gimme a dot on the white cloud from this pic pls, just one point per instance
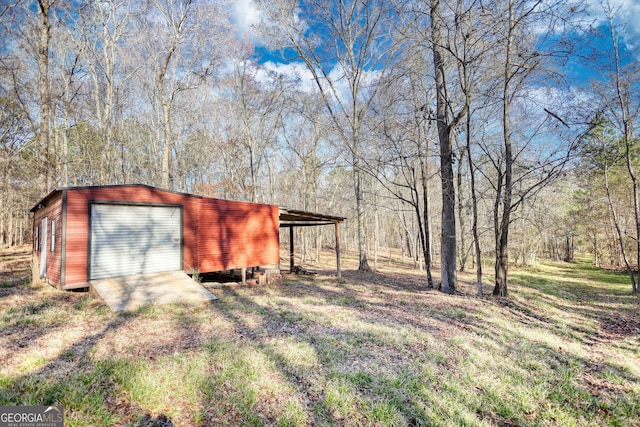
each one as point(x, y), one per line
point(296, 71)
point(267, 73)
point(627, 17)
point(245, 15)
point(255, 23)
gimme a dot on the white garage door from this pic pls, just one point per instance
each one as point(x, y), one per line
point(127, 240)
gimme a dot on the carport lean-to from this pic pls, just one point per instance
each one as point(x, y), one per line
point(98, 232)
point(290, 218)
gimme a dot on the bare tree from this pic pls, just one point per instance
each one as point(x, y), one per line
point(103, 32)
point(347, 51)
point(471, 45)
point(601, 150)
point(524, 57)
point(442, 19)
point(185, 49)
point(15, 134)
point(44, 136)
point(622, 106)
point(306, 131)
point(403, 164)
point(254, 112)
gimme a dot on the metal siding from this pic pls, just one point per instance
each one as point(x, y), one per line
point(63, 241)
point(231, 235)
point(127, 240)
point(237, 234)
point(76, 238)
point(77, 222)
point(53, 211)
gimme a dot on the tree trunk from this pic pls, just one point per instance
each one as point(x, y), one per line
point(43, 159)
point(423, 220)
point(448, 234)
point(596, 257)
point(628, 137)
point(636, 206)
point(502, 258)
point(627, 123)
point(463, 243)
point(426, 246)
point(376, 236)
point(166, 146)
point(362, 244)
point(474, 205)
point(616, 224)
point(502, 244)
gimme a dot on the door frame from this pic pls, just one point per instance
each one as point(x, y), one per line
point(44, 248)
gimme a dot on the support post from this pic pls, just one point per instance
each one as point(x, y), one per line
point(243, 275)
point(291, 250)
point(339, 272)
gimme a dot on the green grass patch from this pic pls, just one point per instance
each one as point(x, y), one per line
point(349, 301)
point(563, 349)
point(449, 313)
point(10, 284)
point(82, 393)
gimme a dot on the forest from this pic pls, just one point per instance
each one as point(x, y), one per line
point(465, 135)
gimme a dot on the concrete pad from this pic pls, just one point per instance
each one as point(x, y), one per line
point(130, 292)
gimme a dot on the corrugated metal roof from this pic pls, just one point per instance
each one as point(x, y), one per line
point(297, 218)
point(88, 187)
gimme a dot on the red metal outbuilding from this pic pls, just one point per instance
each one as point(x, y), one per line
point(85, 233)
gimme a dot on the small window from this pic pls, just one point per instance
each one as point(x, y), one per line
point(53, 235)
point(37, 239)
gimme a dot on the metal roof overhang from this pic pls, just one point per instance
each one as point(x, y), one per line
point(290, 218)
point(296, 218)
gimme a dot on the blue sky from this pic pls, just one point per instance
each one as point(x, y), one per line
point(245, 14)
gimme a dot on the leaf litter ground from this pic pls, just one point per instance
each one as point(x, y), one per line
point(370, 349)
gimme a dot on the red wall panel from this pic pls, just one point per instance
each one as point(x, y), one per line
point(53, 211)
point(217, 234)
point(78, 221)
point(237, 234)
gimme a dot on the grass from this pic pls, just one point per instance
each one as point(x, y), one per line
point(371, 349)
